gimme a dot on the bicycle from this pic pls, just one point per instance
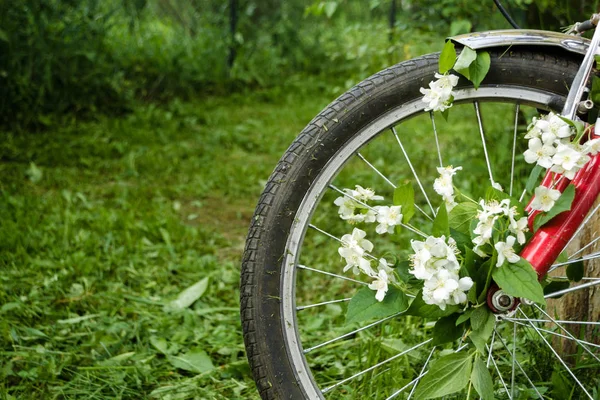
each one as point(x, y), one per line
point(380, 135)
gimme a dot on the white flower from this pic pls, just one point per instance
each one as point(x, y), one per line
point(544, 198)
point(439, 95)
point(540, 153)
point(388, 217)
point(458, 296)
point(444, 83)
point(346, 206)
point(506, 252)
point(443, 186)
point(485, 228)
point(569, 159)
point(438, 289)
point(357, 242)
point(592, 146)
point(497, 186)
point(380, 285)
point(365, 195)
point(356, 262)
point(433, 255)
point(557, 127)
point(385, 266)
point(519, 228)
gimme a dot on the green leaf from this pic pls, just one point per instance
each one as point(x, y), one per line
point(461, 216)
point(195, 361)
point(364, 305)
point(479, 68)
point(481, 336)
point(579, 127)
point(464, 317)
point(446, 112)
point(494, 194)
point(595, 93)
point(440, 223)
point(330, 8)
point(404, 196)
point(556, 286)
point(479, 317)
point(562, 204)
point(446, 330)
point(519, 280)
point(575, 271)
point(447, 57)
point(482, 380)
point(533, 178)
point(420, 309)
point(189, 295)
point(402, 268)
point(448, 374)
point(464, 60)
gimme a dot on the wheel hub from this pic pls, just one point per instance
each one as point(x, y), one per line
point(500, 302)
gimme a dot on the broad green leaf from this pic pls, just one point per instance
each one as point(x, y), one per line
point(464, 317)
point(494, 194)
point(562, 257)
point(579, 127)
point(562, 204)
point(479, 68)
point(446, 112)
point(482, 380)
point(448, 374)
point(446, 330)
point(464, 60)
point(481, 336)
point(463, 241)
point(533, 178)
point(330, 8)
point(472, 294)
point(404, 196)
point(160, 344)
point(461, 216)
point(556, 286)
point(519, 280)
point(189, 295)
point(440, 223)
point(479, 317)
point(575, 271)
point(447, 57)
point(364, 305)
point(420, 309)
point(595, 93)
point(195, 361)
point(402, 268)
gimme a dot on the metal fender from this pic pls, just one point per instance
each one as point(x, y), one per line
point(523, 37)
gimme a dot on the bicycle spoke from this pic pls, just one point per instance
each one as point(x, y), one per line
point(331, 274)
point(490, 350)
point(412, 383)
point(390, 183)
point(546, 321)
point(591, 256)
point(375, 366)
point(559, 335)
point(584, 223)
point(566, 332)
point(323, 303)
point(514, 149)
point(410, 228)
point(584, 247)
point(413, 170)
point(423, 372)
point(499, 375)
point(481, 132)
point(345, 335)
point(564, 364)
point(514, 357)
point(437, 143)
point(573, 289)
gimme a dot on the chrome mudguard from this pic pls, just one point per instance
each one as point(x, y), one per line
point(523, 37)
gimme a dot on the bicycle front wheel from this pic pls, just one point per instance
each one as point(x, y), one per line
point(294, 292)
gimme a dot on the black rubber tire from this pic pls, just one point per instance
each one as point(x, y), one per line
point(260, 279)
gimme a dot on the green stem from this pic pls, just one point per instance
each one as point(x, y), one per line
point(465, 196)
point(488, 280)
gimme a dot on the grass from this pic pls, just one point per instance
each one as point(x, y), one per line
point(105, 223)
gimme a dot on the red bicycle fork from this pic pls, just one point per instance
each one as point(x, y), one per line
point(550, 240)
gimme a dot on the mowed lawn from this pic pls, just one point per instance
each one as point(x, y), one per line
point(103, 227)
